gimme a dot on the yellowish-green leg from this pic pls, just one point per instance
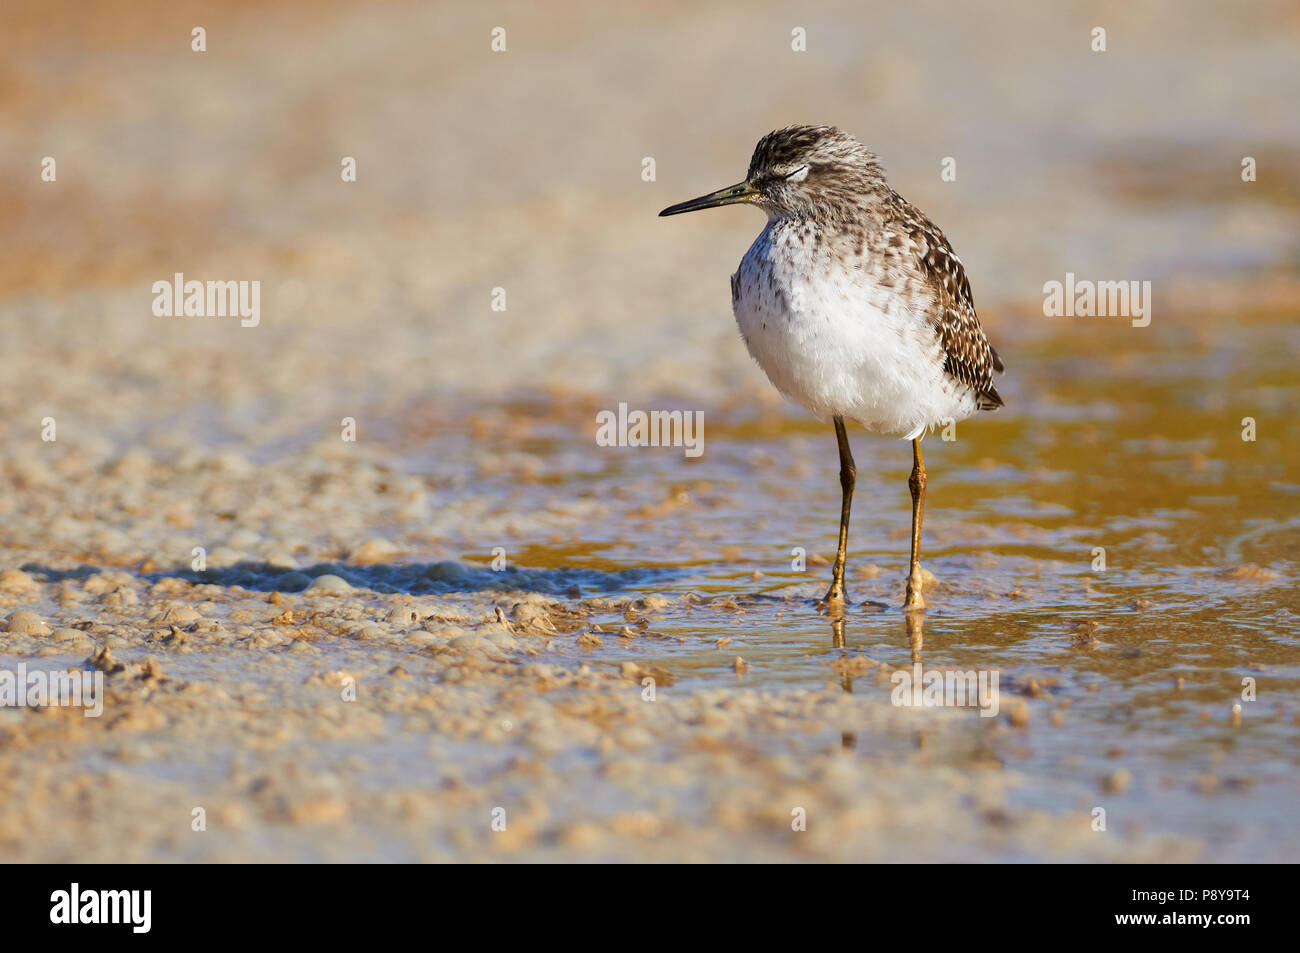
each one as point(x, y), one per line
point(848, 476)
point(917, 484)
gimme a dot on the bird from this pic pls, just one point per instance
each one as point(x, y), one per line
point(856, 307)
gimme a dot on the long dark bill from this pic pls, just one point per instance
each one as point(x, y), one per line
point(731, 195)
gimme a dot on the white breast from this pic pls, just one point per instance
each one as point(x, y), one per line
point(830, 340)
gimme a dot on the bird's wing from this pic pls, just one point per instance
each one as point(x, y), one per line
point(969, 358)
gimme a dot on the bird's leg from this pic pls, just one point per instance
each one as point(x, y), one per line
point(848, 474)
point(917, 484)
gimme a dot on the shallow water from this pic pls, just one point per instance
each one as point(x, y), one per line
point(1144, 659)
point(1128, 672)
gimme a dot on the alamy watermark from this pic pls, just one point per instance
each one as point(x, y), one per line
point(945, 688)
point(653, 428)
point(211, 299)
point(133, 908)
point(68, 688)
point(1082, 298)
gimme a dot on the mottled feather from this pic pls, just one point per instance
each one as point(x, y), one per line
point(969, 358)
point(844, 194)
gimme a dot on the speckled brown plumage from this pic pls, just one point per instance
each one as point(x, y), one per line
point(907, 254)
point(969, 358)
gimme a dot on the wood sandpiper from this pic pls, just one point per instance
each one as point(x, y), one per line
point(855, 306)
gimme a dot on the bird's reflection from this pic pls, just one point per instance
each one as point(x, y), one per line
point(848, 739)
point(914, 626)
point(915, 635)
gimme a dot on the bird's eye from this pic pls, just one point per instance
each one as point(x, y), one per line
point(798, 175)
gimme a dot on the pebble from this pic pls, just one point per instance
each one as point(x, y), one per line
point(15, 580)
point(176, 615)
point(243, 539)
point(329, 584)
point(1117, 781)
point(446, 572)
point(121, 596)
point(26, 623)
point(372, 551)
point(1018, 715)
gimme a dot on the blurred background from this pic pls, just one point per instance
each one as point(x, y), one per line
point(522, 170)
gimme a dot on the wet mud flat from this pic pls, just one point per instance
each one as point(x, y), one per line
point(572, 652)
point(470, 711)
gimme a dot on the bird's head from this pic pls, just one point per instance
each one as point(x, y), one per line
point(800, 172)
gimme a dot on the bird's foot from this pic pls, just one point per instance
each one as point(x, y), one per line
point(835, 599)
